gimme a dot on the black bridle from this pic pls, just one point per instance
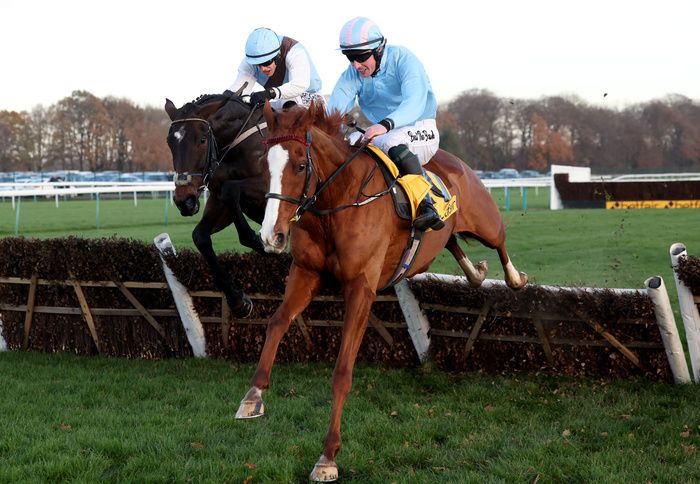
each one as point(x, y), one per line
point(305, 202)
point(213, 159)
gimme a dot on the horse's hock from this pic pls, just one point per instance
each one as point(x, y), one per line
point(110, 296)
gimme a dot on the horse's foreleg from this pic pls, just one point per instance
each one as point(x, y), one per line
point(240, 303)
point(358, 301)
point(475, 274)
point(231, 195)
point(302, 286)
point(514, 278)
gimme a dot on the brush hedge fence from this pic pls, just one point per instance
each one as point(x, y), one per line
point(109, 296)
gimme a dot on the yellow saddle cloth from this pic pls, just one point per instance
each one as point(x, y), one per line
point(417, 187)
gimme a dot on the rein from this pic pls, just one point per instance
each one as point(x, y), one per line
point(305, 203)
point(213, 159)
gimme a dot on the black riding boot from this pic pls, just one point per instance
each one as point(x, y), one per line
point(408, 163)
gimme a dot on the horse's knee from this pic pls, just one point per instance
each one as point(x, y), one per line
point(277, 327)
point(201, 238)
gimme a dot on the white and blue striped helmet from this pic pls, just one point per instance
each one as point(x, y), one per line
point(262, 45)
point(360, 33)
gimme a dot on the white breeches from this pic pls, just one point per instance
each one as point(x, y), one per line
point(422, 138)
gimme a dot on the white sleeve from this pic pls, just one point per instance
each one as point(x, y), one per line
point(246, 73)
point(299, 74)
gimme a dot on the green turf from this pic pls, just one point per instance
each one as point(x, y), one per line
point(76, 419)
point(73, 419)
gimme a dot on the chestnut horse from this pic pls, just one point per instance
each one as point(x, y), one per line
point(360, 245)
point(215, 143)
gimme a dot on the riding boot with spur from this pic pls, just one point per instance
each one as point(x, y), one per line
point(407, 163)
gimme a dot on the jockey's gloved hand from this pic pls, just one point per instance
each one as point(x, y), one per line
point(258, 98)
point(228, 93)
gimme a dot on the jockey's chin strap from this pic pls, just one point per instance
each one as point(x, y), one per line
point(213, 159)
point(305, 203)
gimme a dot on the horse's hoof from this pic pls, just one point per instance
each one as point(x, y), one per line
point(252, 405)
point(324, 471)
point(244, 308)
point(523, 279)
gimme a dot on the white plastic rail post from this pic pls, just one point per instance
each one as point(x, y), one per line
point(656, 289)
point(3, 344)
point(418, 325)
point(183, 300)
point(689, 311)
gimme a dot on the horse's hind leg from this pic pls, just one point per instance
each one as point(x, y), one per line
point(475, 274)
point(302, 286)
point(514, 278)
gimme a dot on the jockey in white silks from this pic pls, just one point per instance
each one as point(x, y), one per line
point(393, 91)
point(282, 66)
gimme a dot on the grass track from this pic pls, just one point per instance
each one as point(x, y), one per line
point(67, 418)
point(117, 420)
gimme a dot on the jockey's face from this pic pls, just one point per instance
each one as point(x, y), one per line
point(269, 69)
point(365, 68)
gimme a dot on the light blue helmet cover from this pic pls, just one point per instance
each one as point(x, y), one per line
point(262, 45)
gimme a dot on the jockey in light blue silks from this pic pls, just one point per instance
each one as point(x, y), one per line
point(394, 92)
point(282, 66)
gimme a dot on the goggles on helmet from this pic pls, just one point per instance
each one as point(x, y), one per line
point(355, 56)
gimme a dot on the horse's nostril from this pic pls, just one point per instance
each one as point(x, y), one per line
point(279, 240)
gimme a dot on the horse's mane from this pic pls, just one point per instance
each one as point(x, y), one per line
point(205, 98)
point(190, 107)
point(329, 123)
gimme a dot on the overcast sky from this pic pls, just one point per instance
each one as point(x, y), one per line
point(147, 50)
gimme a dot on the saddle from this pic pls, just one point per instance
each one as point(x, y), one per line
point(407, 192)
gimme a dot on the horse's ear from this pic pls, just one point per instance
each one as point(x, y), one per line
point(269, 116)
point(170, 109)
point(315, 111)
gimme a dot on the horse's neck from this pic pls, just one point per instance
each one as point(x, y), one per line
point(348, 184)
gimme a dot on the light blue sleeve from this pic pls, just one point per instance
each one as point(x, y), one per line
point(415, 87)
point(344, 93)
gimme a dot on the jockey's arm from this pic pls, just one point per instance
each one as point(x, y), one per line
point(414, 89)
point(246, 73)
point(299, 74)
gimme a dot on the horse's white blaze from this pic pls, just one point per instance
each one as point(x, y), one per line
point(277, 158)
point(179, 134)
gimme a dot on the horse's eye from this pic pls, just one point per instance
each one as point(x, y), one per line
point(203, 140)
point(301, 167)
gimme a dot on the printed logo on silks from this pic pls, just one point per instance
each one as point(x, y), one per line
point(421, 135)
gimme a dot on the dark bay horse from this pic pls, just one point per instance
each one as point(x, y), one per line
point(215, 143)
point(360, 246)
